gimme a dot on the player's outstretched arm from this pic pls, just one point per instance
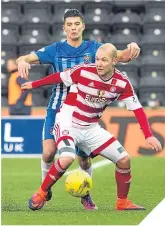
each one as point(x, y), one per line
point(23, 64)
point(152, 141)
point(49, 80)
point(68, 77)
point(126, 55)
point(129, 97)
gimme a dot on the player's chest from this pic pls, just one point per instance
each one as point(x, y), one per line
point(70, 61)
point(99, 88)
point(99, 93)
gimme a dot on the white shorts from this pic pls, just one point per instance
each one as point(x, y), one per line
point(93, 141)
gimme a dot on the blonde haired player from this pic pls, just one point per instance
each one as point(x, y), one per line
point(98, 85)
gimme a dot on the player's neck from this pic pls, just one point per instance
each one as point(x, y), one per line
point(108, 76)
point(75, 43)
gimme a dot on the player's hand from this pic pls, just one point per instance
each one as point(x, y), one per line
point(23, 69)
point(154, 143)
point(134, 50)
point(26, 85)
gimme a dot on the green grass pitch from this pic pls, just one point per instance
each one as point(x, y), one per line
point(21, 178)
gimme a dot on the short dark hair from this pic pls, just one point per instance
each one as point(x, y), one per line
point(73, 13)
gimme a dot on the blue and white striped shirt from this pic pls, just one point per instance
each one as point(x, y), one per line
point(63, 56)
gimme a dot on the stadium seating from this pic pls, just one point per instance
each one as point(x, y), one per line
point(13, 29)
point(121, 38)
point(37, 13)
point(58, 33)
point(11, 13)
point(153, 38)
point(97, 13)
point(38, 72)
point(152, 99)
point(29, 25)
point(98, 34)
point(9, 36)
point(155, 18)
point(134, 6)
point(26, 49)
point(128, 20)
point(7, 52)
point(153, 58)
point(34, 37)
point(150, 5)
point(152, 81)
point(38, 97)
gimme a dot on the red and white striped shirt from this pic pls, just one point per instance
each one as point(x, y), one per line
point(94, 94)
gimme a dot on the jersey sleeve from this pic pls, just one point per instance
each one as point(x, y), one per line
point(129, 97)
point(71, 76)
point(47, 54)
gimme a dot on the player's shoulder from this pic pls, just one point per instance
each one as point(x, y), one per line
point(83, 66)
point(57, 44)
point(77, 67)
point(48, 47)
point(90, 42)
point(89, 67)
point(121, 79)
point(120, 75)
point(93, 43)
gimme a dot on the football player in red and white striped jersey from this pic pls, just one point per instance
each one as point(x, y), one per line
point(96, 86)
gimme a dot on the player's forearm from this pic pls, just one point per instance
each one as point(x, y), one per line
point(30, 58)
point(143, 122)
point(49, 80)
point(123, 56)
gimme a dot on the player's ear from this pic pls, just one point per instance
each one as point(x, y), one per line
point(64, 29)
point(115, 61)
point(83, 26)
point(63, 26)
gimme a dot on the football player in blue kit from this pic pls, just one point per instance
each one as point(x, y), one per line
point(64, 55)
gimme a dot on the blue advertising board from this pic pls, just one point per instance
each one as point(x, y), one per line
point(21, 135)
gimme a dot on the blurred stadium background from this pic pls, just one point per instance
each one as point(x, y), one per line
point(30, 25)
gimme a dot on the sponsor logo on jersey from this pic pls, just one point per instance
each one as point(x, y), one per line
point(95, 99)
point(101, 93)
